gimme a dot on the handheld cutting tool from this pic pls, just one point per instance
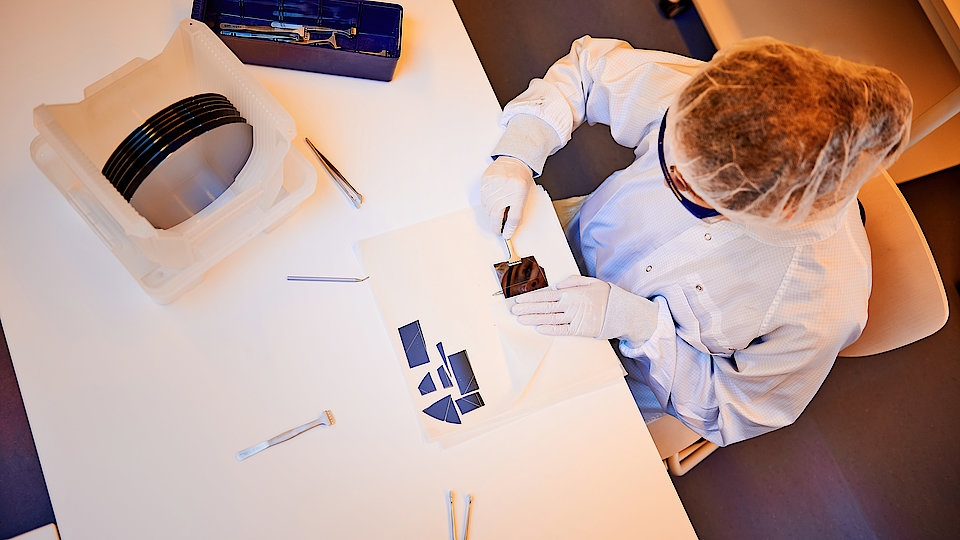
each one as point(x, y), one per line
point(518, 275)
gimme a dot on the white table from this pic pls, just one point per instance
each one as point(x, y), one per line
point(137, 409)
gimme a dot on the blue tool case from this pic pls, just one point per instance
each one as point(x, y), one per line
point(365, 44)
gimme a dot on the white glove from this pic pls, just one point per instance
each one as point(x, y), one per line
point(583, 306)
point(504, 184)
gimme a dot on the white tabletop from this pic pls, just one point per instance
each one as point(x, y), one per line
point(137, 409)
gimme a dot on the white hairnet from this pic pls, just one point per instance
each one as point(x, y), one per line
point(776, 135)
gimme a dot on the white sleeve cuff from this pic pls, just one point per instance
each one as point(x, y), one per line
point(662, 330)
point(528, 139)
point(658, 352)
point(628, 316)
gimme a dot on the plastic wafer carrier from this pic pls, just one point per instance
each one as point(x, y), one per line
point(76, 139)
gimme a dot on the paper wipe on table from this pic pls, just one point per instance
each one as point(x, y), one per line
point(434, 281)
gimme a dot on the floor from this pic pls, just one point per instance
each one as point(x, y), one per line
point(874, 454)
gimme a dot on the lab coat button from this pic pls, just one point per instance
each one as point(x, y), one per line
point(707, 236)
point(699, 288)
point(649, 268)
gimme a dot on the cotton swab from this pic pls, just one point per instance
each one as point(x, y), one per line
point(453, 520)
point(466, 522)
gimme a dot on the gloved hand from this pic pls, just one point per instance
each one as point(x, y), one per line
point(505, 183)
point(583, 306)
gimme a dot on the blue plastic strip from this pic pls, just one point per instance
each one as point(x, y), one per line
point(469, 403)
point(463, 373)
point(427, 385)
point(444, 410)
point(413, 346)
point(444, 378)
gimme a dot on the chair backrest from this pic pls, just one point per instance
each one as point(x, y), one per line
point(907, 302)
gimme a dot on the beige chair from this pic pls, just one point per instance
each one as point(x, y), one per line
point(907, 303)
point(680, 447)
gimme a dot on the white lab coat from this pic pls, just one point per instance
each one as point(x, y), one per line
point(749, 323)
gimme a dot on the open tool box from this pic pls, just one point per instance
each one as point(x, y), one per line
point(365, 44)
point(75, 140)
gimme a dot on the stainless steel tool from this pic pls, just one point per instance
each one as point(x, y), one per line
point(355, 197)
point(518, 275)
point(332, 41)
point(327, 278)
point(299, 34)
point(514, 258)
point(326, 419)
point(349, 32)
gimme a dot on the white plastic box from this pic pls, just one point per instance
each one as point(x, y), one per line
point(77, 138)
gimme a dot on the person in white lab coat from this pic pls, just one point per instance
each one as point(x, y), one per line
point(729, 258)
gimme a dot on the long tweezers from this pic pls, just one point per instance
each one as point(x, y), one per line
point(355, 197)
point(326, 419)
point(326, 278)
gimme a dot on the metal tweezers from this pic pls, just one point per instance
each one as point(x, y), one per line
point(328, 278)
point(355, 197)
point(326, 419)
point(349, 32)
point(286, 28)
point(300, 35)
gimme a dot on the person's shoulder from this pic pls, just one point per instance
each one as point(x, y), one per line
point(834, 272)
point(665, 60)
point(622, 49)
point(847, 250)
